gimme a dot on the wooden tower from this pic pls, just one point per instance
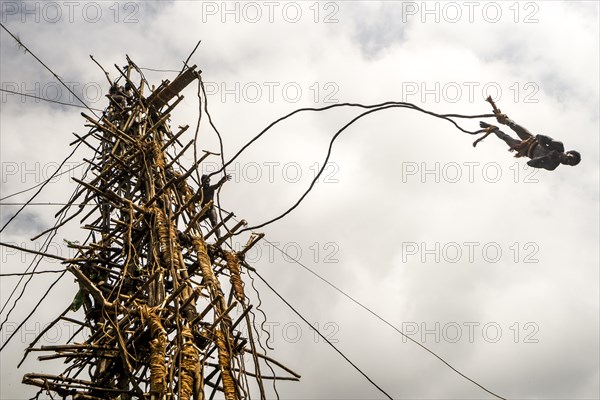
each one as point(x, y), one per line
point(162, 295)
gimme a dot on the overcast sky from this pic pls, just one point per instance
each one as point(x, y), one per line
point(492, 265)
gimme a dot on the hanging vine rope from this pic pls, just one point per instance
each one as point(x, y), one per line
point(371, 109)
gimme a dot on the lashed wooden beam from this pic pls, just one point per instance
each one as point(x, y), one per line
point(164, 94)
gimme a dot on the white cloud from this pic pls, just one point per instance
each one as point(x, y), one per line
point(384, 199)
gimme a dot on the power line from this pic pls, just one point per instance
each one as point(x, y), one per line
point(49, 100)
point(41, 188)
point(54, 271)
point(32, 311)
point(323, 337)
point(20, 43)
point(158, 70)
point(47, 204)
point(76, 147)
point(43, 182)
point(381, 319)
point(39, 253)
point(35, 264)
point(46, 242)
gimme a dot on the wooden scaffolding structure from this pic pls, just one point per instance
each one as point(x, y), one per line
point(163, 297)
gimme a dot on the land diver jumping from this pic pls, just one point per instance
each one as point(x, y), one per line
point(543, 151)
